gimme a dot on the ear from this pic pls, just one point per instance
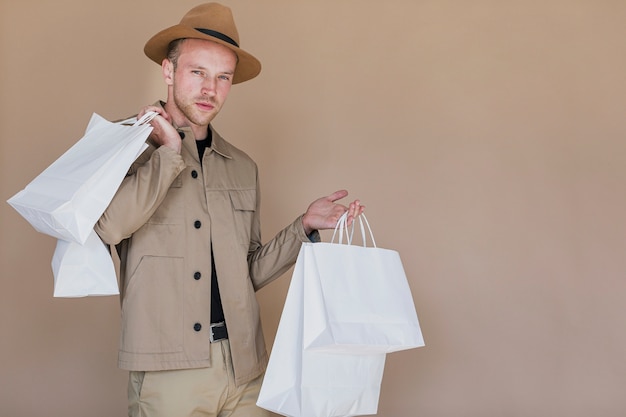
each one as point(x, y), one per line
point(168, 71)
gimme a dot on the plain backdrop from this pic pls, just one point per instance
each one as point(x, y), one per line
point(486, 139)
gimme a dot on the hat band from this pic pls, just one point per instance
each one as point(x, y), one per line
point(218, 35)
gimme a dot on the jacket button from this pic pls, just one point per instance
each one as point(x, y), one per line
point(197, 275)
point(197, 224)
point(194, 174)
point(182, 135)
point(197, 327)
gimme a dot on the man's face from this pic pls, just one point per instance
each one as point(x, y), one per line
point(202, 79)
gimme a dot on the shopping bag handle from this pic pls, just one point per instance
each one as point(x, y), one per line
point(146, 118)
point(141, 121)
point(342, 225)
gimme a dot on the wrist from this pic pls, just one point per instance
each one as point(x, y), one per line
point(306, 226)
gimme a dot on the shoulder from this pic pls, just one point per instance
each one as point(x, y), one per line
point(230, 151)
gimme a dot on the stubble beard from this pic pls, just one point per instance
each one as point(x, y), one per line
point(192, 114)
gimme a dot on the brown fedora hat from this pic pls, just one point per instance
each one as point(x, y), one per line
point(209, 21)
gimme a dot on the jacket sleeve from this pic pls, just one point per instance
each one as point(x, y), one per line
point(269, 261)
point(140, 194)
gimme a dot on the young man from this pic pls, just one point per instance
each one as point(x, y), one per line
point(185, 222)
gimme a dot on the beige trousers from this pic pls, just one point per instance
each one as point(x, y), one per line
point(206, 392)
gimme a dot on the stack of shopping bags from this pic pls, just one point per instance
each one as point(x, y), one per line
point(347, 307)
point(66, 200)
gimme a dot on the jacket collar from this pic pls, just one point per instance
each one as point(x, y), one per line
point(218, 143)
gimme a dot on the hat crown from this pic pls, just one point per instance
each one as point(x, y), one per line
point(210, 21)
point(214, 17)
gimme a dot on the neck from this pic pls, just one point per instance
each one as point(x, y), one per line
point(180, 120)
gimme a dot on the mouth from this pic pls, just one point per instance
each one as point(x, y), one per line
point(205, 106)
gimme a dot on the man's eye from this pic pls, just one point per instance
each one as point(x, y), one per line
point(198, 73)
point(225, 77)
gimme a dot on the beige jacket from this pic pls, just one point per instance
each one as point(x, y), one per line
point(162, 220)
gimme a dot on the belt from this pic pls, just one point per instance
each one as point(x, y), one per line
point(218, 332)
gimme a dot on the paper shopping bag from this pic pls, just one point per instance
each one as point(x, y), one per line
point(358, 299)
point(83, 270)
point(301, 383)
point(69, 196)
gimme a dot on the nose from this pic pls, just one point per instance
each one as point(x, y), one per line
point(208, 87)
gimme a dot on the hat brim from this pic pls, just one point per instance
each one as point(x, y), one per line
point(156, 48)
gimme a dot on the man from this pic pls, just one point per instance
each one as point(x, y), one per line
point(185, 222)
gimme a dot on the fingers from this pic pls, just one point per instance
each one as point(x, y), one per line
point(337, 195)
point(161, 124)
point(324, 213)
point(159, 110)
point(354, 210)
point(163, 133)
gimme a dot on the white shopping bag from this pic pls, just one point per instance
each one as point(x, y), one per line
point(301, 383)
point(69, 196)
point(357, 297)
point(83, 270)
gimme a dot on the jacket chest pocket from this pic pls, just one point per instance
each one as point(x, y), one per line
point(243, 205)
point(243, 200)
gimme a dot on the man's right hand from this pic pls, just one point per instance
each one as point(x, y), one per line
point(163, 132)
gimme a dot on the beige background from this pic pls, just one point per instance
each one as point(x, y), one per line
point(486, 138)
